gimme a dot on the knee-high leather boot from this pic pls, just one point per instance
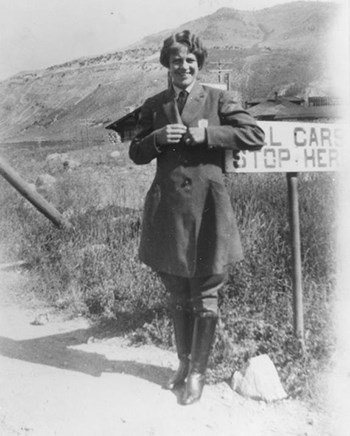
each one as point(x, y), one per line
point(203, 337)
point(183, 329)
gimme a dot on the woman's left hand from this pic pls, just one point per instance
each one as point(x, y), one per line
point(195, 136)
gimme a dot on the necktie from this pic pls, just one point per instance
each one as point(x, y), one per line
point(181, 100)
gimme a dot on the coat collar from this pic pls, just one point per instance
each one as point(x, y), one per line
point(193, 106)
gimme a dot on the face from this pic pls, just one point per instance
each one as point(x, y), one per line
point(183, 67)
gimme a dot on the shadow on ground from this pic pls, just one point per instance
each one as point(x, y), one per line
point(55, 350)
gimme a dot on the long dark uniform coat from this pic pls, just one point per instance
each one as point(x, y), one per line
point(189, 228)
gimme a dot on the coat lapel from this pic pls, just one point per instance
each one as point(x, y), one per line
point(194, 104)
point(170, 108)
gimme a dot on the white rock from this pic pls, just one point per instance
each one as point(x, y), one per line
point(45, 180)
point(32, 186)
point(59, 161)
point(41, 319)
point(259, 380)
point(115, 154)
point(70, 164)
point(57, 156)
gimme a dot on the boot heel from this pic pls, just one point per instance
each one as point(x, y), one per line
point(180, 375)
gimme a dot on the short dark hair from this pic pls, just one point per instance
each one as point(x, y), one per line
point(188, 39)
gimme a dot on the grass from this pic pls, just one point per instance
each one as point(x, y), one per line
point(94, 269)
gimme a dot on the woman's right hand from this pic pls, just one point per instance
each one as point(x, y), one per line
point(170, 134)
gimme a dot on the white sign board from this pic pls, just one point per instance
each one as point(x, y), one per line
point(292, 147)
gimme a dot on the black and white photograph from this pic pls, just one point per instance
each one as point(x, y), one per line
point(174, 218)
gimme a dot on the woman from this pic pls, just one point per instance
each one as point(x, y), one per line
point(189, 232)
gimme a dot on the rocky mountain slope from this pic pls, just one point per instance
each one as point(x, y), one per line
point(281, 49)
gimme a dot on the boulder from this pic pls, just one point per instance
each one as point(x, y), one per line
point(259, 380)
point(32, 186)
point(56, 156)
point(45, 180)
point(115, 154)
point(60, 161)
point(54, 161)
point(70, 164)
point(46, 186)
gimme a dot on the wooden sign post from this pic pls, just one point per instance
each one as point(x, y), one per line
point(293, 199)
point(293, 147)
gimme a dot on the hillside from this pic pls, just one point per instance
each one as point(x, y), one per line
point(282, 49)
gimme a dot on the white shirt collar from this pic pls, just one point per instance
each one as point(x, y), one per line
point(188, 89)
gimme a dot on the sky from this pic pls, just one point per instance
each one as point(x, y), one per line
point(36, 34)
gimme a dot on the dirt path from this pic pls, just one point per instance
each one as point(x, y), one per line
point(64, 378)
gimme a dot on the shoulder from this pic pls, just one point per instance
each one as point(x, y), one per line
point(211, 89)
point(217, 93)
point(223, 97)
point(214, 91)
point(150, 105)
point(157, 98)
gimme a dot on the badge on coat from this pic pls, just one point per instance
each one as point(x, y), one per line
point(203, 123)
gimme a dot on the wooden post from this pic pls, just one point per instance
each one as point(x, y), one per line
point(292, 180)
point(32, 196)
